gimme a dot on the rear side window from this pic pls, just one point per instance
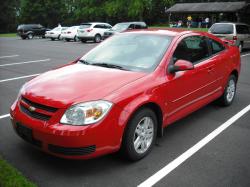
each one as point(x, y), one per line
point(98, 26)
point(242, 29)
point(192, 48)
point(222, 29)
point(84, 26)
point(137, 26)
point(216, 47)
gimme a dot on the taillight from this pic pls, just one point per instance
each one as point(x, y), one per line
point(89, 30)
point(235, 38)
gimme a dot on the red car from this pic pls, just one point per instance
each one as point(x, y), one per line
point(121, 94)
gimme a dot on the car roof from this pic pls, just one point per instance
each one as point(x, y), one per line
point(132, 22)
point(93, 23)
point(236, 23)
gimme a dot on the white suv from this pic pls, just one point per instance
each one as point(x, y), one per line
point(92, 31)
point(239, 33)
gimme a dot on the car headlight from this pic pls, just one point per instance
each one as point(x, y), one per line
point(86, 113)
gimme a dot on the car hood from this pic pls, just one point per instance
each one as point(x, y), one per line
point(76, 83)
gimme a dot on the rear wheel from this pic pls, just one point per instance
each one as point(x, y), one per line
point(83, 41)
point(229, 93)
point(140, 135)
point(240, 46)
point(23, 37)
point(67, 39)
point(52, 39)
point(98, 38)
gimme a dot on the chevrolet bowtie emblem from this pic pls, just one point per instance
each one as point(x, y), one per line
point(31, 108)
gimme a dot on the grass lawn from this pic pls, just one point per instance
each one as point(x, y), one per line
point(8, 35)
point(10, 177)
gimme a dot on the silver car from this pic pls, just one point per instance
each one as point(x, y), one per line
point(239, 33)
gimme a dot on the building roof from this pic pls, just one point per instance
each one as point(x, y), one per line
point(207, 7)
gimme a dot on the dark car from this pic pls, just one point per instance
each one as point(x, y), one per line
point(120, 27)
point(31, 30)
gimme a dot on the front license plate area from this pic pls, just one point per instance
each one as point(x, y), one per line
point(24, 132)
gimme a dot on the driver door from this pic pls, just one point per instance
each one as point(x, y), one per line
point(187, 90)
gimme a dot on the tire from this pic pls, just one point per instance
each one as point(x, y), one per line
point(140, 134)
point(98, 38)
point(229, 93)
point(52, 39)
point(23, 37)
point(30, 36)
point(67, 40)
point(76, 39)
point(83, 41)
point(240, 46)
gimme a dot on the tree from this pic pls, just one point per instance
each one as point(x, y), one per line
point(8, 13)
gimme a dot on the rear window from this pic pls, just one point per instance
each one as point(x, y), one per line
point(222, 29)
point(85, 26)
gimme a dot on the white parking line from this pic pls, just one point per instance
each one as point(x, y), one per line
point(15, 78)
point(245, 55)
point(4, 116)
point(27, 62)
point(183, 157)
point(9, 56)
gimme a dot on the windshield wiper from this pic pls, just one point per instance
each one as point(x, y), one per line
point(84, 62)
point(109, 66)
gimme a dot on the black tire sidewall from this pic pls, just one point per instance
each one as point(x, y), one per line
point(96, 36)
point(128, 140)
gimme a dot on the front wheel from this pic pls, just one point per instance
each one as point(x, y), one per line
point(30, 36)
point(140, 135)
point(229, 93)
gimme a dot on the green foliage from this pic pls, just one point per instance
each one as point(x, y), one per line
point(71, 12)
point(10, 177)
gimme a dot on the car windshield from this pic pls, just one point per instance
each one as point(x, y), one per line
point(222, 29)
point(129, 51)
point(84, 26)
point(120, 27)
point(57, 29)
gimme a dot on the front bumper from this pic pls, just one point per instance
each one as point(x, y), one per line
point(73, 142)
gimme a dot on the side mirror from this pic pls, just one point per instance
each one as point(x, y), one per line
point(180, 65)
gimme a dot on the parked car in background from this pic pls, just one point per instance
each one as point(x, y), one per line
point(31, 30)
point(55, 33)
point(239, 33)
point(120, 27)
point(92, 31)
point(70, 34)
point(121, 94)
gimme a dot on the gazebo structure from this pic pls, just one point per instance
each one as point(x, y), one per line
point(216, 11)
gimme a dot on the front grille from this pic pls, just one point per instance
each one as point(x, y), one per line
point(69, 151)
point(34, 114)
point(26, 134)
point(37, 105)
point(44, 116)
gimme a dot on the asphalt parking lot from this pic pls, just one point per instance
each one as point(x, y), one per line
point(224, 161)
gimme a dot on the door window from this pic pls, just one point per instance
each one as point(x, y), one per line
point(193, 49)
point(242, 29)
point(216, 47)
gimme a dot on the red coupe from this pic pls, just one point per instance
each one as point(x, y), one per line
point(121, 94)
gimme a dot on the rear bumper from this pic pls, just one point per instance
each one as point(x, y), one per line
point(86, 37)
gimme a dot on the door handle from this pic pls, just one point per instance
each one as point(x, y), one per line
point(210, 69)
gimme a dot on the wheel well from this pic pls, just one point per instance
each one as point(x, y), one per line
point(235, 73)
point(157, 110)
